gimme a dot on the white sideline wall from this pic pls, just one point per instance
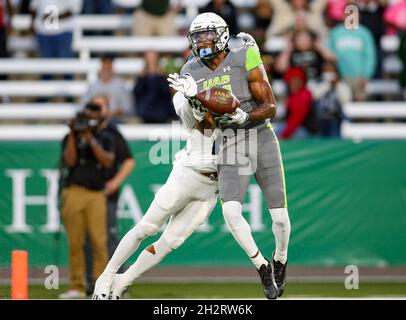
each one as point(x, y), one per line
point(153, 132)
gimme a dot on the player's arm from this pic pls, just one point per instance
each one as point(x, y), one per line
point(262, 92)
point(183, 110)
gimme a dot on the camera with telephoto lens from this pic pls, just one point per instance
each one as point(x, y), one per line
point(82, 122)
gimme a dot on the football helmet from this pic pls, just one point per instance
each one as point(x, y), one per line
point(208, 28)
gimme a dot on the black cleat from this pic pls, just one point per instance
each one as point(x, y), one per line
point(280, 275)
point(268, 281)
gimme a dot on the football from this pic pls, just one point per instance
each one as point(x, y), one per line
point(218, 100)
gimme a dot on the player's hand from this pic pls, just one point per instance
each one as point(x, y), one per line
point(248, 40)
point(183, 83)
point(198, 110)
point(238, 116)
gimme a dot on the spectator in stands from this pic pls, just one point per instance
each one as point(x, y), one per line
point(226, 10)
point(88, 153)
point(335, 11)
point(53, 23)
point(298, 104)
point(304, 51)
point(263, 14)
point(330, 95)
point(153, 101)
point(394, 15)
point(97, 7)
point(113, 87)
point(287, 12)
point(402, 57)
point(92, 7)
point(155, 18)
point(356, 56)
point(371, 16)
point(5, 26)
point(123, 165)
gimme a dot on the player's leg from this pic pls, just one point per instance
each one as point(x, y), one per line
point(180, 227)
point(241, 230)
point(169, 199)
point(270, 178)
point(232, 190)
point(234, 179)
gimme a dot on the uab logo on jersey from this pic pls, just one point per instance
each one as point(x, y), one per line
point(220, 81)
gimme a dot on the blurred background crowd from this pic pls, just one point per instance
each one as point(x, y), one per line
point(320, 55)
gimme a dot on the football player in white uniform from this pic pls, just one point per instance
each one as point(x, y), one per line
point(188, 197)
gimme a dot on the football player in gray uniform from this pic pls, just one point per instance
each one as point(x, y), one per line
point(249, 145)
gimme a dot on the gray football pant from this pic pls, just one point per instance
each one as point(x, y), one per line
point(252, 152)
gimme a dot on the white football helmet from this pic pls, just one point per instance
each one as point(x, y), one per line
point(208, 27)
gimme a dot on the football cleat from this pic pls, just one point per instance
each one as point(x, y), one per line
point(268, 281)
point(102, 287)
point(72, 294)
point(280, 275)
point(117, 287)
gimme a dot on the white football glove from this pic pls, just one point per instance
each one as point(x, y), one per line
point(248, 40)
point(238, 116)
point(183, 83)
point(199, 112)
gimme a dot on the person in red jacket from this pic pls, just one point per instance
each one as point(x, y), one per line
point(298, 102)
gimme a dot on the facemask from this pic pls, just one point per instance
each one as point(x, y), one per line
point(329, 76)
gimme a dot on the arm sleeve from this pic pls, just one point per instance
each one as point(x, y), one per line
point(123, 150)
point(108, 142)
point(252, 59)
point(183, 110)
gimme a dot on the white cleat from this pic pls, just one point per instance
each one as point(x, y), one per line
point(72, 294)
point(102, 287)
point(117, 287)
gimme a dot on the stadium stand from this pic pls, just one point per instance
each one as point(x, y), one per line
point(85, 68)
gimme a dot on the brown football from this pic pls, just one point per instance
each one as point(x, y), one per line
point(218, 100)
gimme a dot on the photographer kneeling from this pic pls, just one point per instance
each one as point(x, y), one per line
point(88, 153)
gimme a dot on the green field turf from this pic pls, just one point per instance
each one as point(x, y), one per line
point(234, 290)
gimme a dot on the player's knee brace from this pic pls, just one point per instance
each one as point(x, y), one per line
point(280, 216)
point(173, 242)
point(232, 212)
point(143, 230)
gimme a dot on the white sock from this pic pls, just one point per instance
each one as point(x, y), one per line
point(127, 246)
point(281, 231)
point(258, 260)
point(147, 259)
point(240, 229)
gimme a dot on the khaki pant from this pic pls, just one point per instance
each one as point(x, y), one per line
point(84, 211)
point(358, 87)
point(146, 24)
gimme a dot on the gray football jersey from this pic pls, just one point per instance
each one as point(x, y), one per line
point(231, 74)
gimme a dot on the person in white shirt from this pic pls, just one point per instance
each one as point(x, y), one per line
point(188, 197)
point(113, 87)
point(53, 24)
